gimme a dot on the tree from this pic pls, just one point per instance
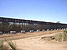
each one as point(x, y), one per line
point(58, 22)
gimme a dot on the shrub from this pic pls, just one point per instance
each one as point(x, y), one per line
point(12, 45)
point(62, 36)
point(65, 36)
point(65, 31)
point(58, 37)
point(2, 46)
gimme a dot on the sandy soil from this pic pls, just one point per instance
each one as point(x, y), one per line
point(36, 43)
point(28, 34)
point(33, 41)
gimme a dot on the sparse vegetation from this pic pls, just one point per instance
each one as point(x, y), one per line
point(10, 43)
point(2, 46)
point(65, 31)
point(58, 37)
point(62, 36)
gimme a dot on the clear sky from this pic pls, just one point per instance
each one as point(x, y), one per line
point(42, 10)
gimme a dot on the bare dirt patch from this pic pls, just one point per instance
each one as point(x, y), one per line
point(28, 34)
point(35, 43)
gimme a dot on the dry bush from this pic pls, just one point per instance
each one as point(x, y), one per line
point(5, 47)
point(2, 46)
point(12, 45)
point(58, 37)
point(61, 36)
point(65, 31)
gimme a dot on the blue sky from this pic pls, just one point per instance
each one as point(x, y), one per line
point(41, 10)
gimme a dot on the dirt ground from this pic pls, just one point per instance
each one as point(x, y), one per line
point(28, 34)
point(36, 43)
point(33, 41)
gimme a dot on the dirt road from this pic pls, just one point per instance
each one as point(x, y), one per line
point(28, 34)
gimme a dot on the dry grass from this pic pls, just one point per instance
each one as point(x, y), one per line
point(2, 46)
point(28, 34)
point(12, 46)
point(58, 37)
point(32, 43)
point(62, 37)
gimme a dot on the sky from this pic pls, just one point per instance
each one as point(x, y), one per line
point(40, 10)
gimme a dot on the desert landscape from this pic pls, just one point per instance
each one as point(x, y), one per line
point(33, 24)
point(35, 41)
